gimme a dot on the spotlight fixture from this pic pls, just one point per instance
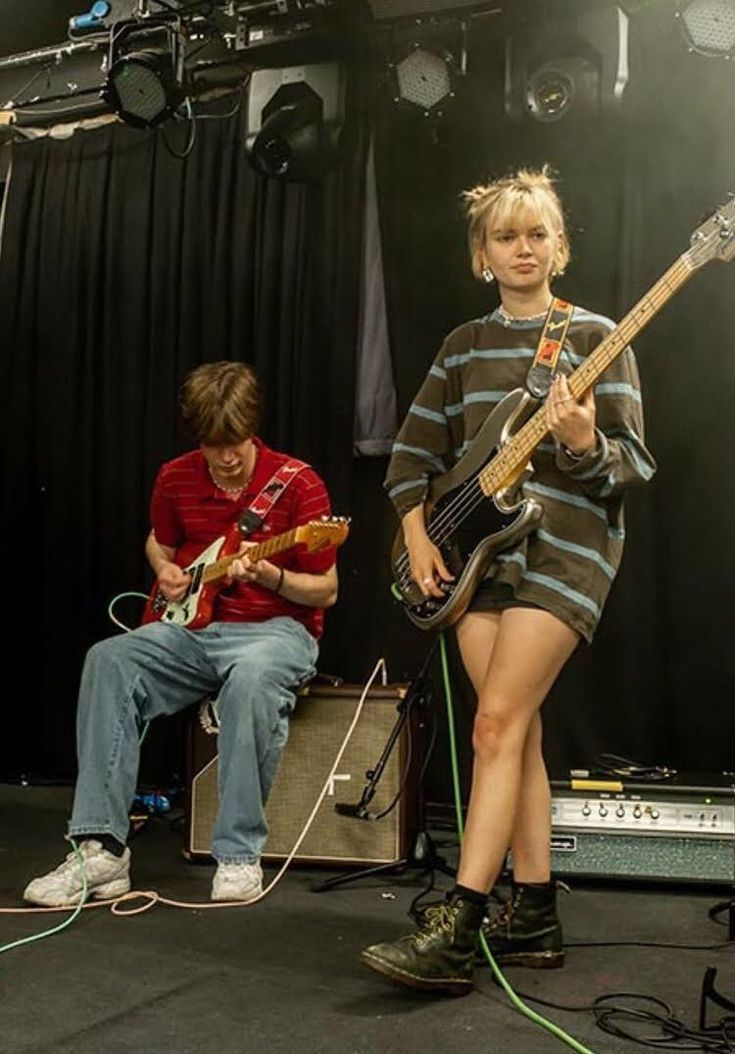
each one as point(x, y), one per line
point(556, 87)
point(708, 26)
point(559, 67)
point(423, 80)
point(144, 86)
point(295, 119)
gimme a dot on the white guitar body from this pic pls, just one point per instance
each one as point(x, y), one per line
point(185, 611)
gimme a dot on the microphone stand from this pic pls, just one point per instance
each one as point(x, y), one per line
point(422, 853)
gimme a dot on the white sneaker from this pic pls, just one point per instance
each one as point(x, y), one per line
point(108, 876)
point(237, 882)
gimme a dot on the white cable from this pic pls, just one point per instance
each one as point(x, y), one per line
point(111, 608)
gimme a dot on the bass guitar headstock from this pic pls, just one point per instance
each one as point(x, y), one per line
point(715, 238)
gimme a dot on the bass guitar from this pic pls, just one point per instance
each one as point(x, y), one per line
point(209, 571)
point(477, 508)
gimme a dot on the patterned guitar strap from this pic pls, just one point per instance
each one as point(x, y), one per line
point(551, 342)
point(252, 518)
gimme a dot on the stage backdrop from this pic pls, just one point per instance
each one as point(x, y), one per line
point(122, 268)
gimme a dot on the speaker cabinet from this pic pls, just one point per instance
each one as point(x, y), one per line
point(317, 728)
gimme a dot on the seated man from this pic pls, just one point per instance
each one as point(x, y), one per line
point(260, 645)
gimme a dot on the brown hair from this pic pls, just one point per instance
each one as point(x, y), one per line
point(529, 193)
point(221, 403)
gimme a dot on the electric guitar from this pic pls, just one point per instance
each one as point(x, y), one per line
point(209, 570)
point(477, 508)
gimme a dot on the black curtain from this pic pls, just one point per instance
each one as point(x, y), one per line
point(123, 267)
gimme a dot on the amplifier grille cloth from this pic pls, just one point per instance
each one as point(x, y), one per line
point(317, 728)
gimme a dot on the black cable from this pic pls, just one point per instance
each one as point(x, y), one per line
point(404, 775)
point(615, 765)
point(191, 140)
point(672, 1033)
point(181, 10)
point(647, 944)
point(413, 908)
point(19, 93)
point(230, 113)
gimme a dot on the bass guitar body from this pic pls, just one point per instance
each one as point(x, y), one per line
point(469, 526)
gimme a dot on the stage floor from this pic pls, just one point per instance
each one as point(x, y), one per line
point(284, 977)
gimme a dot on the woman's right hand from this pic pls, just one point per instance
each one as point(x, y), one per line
point(428, 569)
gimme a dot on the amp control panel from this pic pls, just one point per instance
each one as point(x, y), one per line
point(625, 812)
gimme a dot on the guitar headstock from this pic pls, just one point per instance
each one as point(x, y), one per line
point(319, 534)
point(715, 239)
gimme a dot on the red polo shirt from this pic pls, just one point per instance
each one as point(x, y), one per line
point(188, 512)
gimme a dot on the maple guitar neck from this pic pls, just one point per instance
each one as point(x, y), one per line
point(218, 569)
point(505, 467)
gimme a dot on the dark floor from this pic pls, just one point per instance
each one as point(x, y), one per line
point(284, 977)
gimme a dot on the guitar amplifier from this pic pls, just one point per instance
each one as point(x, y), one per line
point(682, 830)
point(317, 729)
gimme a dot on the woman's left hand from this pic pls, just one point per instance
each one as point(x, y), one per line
point(571, 422)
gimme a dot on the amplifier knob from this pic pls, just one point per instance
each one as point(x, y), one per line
point(637, 812)
point(603, 810)
point(620, 811)
point(655, 814)
point(586, 809)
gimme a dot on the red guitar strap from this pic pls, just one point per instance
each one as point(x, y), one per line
point(253, 517)
point(549, 347)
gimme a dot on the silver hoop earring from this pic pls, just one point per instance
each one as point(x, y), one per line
point(487, 275)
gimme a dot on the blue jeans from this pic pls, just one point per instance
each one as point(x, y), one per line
point(253, 667)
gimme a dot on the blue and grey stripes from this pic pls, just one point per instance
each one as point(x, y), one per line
point(568, 564)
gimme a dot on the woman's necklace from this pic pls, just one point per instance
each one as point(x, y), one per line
point(521, 318)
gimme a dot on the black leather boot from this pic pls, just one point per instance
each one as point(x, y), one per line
point(437, 957)
point(526, 931)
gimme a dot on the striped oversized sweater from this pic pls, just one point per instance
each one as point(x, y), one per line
point(567, 564)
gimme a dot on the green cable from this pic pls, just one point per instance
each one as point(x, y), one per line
point(66, 922)
point(500, 978)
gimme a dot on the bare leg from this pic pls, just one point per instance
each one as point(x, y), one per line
point(531, 839)
point(530, 842)
point(513, 659)
point(529, 650)
point(476, 633)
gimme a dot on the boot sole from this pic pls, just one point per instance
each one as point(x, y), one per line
point(531, 960)
point(453, 987)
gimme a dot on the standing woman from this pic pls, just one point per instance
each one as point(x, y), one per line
point(540, 597)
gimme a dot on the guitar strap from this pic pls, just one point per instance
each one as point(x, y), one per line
point(252, 518)
point(549, 347)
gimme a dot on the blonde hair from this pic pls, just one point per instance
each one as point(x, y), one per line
point(528, 193)
point(221, 403)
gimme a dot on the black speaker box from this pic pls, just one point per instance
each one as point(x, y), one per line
point(317, 728)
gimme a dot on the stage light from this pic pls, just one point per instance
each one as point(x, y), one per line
point(423, 79)
point(556, 87)
point(709, 26)
point(557, 67)
point(295, 119)
point(142, 87)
